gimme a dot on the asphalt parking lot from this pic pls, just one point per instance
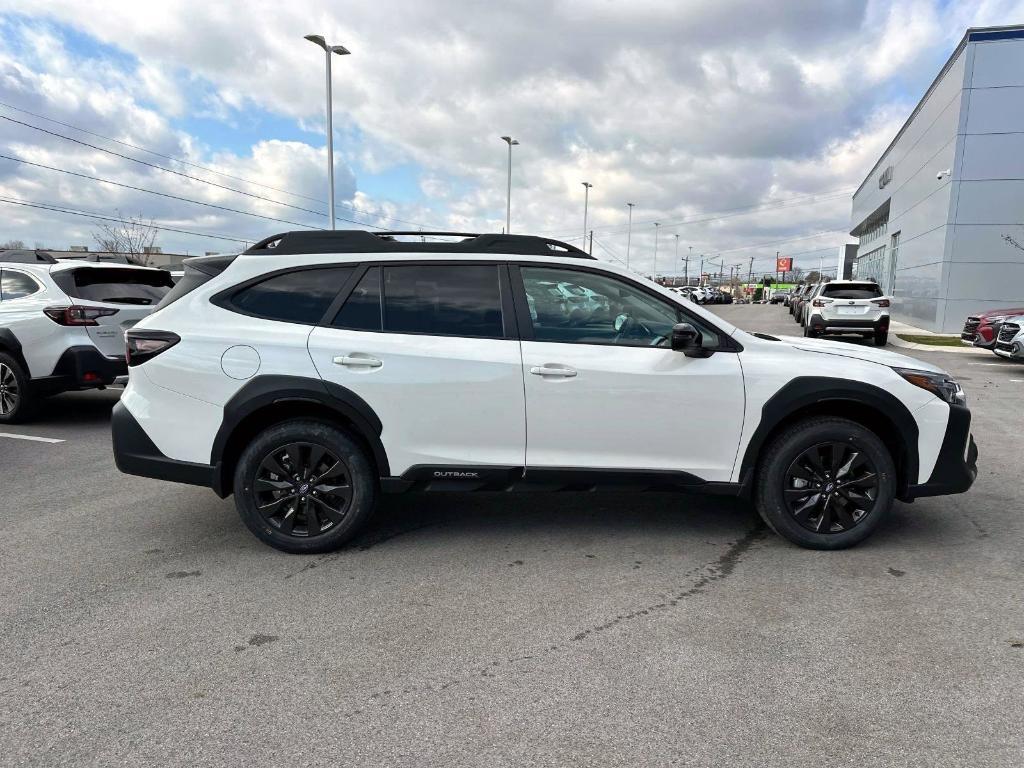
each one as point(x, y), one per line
point(141, 623)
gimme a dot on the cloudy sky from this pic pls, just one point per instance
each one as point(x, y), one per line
point(743, 127)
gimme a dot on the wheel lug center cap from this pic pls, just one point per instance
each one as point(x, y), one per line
point(304, 489)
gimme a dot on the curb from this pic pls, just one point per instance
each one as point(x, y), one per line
point(896, 341)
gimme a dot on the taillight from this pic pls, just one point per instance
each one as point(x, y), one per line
point(821, 302)
point(75, 315)
point(880, 302)
point(142, 345)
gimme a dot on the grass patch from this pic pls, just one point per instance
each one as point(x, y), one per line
point(931, 341)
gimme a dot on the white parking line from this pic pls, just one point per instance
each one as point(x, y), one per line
point(996, 364)
point(30, 437)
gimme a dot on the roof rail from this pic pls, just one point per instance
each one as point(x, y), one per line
point(23, 256)
point(361, 241)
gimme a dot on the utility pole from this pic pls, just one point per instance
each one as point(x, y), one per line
point(750, 276)
point(700, 277)
point(655, 276)
point(686, 268)
point(508, 197)
point(586, 200)
point(677, 253)
point(629, 231)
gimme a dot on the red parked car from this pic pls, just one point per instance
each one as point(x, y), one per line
point(982, 329)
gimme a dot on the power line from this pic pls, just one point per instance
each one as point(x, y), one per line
point(101, 217)
point(154, 192)
point(351, 207)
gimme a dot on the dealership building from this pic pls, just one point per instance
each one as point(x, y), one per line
point(940, 217)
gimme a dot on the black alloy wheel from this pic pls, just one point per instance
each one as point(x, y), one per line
point(10, 392)
point(831, 487)
point(302, 489)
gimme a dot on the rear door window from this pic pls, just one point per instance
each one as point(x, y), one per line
point(852, 291)
point(361, 310)
point(443, 300)
point(143, 287)
point(302, 296)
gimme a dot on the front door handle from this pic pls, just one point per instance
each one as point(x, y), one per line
point(351, 361)
point(556, 371)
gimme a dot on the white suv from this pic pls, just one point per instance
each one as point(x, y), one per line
point(62, 324)
point(319, 369)
point(848, 306)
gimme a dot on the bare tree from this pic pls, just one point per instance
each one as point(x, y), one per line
point(131, 236)
point(12, 245)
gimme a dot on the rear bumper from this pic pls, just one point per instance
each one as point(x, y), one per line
point(819, 323)
point(957, 466)
point(135, 454)
point(81, 367)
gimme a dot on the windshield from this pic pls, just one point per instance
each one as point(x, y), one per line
point(144, 287)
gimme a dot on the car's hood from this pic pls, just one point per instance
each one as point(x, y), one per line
point(857, 352)
point(997, 312)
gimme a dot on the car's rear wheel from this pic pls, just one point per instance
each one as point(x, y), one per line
point(809, 332)
point(881, 338)
point(825, 483)
point(17, 401)
point(304, 486)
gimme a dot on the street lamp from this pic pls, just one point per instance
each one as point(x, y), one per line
point(629, 232)
point(656, 225)
point(508, 199)
point(341, 51)
point(677, 250)
point(586, 200)
point(687, 267)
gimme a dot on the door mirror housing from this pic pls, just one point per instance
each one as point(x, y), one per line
point(688, 340)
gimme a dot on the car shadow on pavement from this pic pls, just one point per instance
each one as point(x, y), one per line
point(78, 408)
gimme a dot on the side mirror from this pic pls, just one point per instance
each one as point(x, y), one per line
point(688, 340)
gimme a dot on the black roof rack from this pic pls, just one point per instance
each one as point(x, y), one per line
point(22, 256)
point(361, 241)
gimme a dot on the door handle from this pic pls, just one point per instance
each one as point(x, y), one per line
point(557, 371)
point(350, 361)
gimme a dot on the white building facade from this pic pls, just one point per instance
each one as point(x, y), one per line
point(940, 217)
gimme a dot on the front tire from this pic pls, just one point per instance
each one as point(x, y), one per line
point(17, 401)
point(825, 483)
point(304, 487)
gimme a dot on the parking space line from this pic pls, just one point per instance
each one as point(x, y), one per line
point(30, 437)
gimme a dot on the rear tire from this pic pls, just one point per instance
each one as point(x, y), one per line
point(17, 400)
point(809, 332)
point(304, 487)
point(881, 338)
point(791, 489)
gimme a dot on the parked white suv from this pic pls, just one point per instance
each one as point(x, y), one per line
point(62, 324)
point(1010, 339)
point(848, 306)
point(319, 369)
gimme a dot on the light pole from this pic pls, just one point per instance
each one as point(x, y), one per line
point(686, 273)
point(629, 232)
point(586, 200)
point(655, 276)
point(341, 51)
point(508, 198)
point(677, 251)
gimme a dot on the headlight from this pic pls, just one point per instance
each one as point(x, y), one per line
point(939, 384)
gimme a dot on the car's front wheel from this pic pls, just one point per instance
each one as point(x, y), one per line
point(304, 486)
point(17, 401)
point(825, 483)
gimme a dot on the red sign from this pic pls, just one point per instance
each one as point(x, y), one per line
point(784, 264)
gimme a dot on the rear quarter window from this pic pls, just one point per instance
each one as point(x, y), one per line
point(301, 296)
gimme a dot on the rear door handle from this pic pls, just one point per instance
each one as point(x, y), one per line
point(351, 361)
point(556, 371)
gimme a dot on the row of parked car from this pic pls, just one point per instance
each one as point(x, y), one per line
point(1001, 330)
point(700, 294)
point(839, 307)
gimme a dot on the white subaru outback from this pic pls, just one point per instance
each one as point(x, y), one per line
point(62, 324)
point(319, 369)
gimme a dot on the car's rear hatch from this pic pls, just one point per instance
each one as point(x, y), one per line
point(131, 292)
point(851, 300)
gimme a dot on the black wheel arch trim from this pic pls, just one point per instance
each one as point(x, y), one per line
point(9, 343)
point(263, 391)
point(808, 391)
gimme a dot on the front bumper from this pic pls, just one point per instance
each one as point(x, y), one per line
point(957, 465)
point(1011, 350)
point(135, 454)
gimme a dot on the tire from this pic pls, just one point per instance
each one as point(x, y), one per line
point(850, 520)
point(881, 338)
point(17, 401)
point(809, 332)
point(286, 516)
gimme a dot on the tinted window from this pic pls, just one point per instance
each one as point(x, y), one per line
point(443, 300)
point(293, 297)
point(598, 309)
point(14, 285)
point(852, 291)
point(115, 286)
point(361, 311)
